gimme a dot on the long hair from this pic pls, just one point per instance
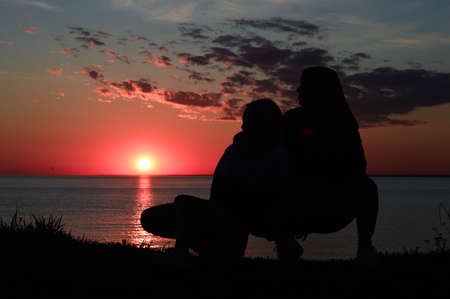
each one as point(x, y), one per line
point(321, 95)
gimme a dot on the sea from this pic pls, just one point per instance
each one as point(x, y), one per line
point(108, 208)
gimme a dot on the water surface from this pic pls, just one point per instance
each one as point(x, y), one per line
point(107, 209)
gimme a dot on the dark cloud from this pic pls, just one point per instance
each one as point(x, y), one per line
point(90, 41)
point(248, 64)
point(114, 54)
point(239, 79)
point(232, 109)
point(301, 43)
point(234, 41)
point(190, 98)
point(94, 74)
point(197, 76)
point(415, 65)
point(79, 30)
point(193, 59)
point(160, 61)
point(266, 86)
point(88, 37)
point(194, 31)
point(282, 25)
point(352, 62)
point(73, 51)
point(132, 88)
point(377, 95)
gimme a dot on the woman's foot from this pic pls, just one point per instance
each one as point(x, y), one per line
point(288, 249)
point(178, 257)
point(367, 255)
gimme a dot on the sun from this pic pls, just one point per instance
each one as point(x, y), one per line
point(144, 164)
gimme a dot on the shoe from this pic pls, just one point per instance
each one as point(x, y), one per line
point(367, 256)
point(177, 257)
point(288, 249)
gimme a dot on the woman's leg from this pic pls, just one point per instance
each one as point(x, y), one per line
point(329, 207)
point(367, 213)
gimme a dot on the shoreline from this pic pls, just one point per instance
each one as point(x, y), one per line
point(44, 260)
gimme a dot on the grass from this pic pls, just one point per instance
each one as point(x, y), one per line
point(41, 259)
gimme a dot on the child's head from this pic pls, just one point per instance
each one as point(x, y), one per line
point(261, 116)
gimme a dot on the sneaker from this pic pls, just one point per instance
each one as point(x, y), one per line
point(288, 249)
point(367, 256)
point(176, 257)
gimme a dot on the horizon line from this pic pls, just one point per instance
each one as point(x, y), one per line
point(206, 174)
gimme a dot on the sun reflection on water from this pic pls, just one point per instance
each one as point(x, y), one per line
point(145, 199)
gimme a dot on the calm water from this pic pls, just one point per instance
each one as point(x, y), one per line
point(108, 209)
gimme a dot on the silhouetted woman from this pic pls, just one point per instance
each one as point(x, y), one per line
point(329, 185)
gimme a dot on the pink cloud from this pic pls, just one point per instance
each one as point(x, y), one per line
point(114, 54)
point(100, 100)
point(65, 51)
point(192, 104)
point(56, 71)
point(6, 43)
point(106, 93)
point(31, 30)
point(60, 96)
point(160, 61)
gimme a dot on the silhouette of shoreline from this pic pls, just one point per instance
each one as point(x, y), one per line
point(47, 261)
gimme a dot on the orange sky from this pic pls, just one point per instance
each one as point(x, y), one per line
point(167, 82)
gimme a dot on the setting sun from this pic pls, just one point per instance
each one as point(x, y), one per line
point(144, 164)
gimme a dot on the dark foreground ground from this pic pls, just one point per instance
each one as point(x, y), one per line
point(41, 262)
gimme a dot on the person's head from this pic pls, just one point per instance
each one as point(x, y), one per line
point(320, 87)
point(261, 116)
point(320, 92)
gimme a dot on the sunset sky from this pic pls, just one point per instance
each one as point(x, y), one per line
point(93, 87)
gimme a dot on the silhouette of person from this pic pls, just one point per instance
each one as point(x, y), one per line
point(249, 179)
point(327, 167)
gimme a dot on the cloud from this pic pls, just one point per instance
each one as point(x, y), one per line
point(194, 31)
point(194, 99)
point(122, 58)
point(60, 96)
point(90, 41)
point(377, 95)
point(65, 51)
point(160, 61)
point(352, 62)
point(37, 4)
point(193, 75)
point(106, 92)
point(299, 27)
point(192, 59)
point(142, 89)
point(234, 40)
point(55, 71)
point(173, 11)
point(31, 30)
point(3, 42)
point(245, 60)
point(88, 38)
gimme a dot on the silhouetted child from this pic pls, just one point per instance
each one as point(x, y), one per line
point(249, 180)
